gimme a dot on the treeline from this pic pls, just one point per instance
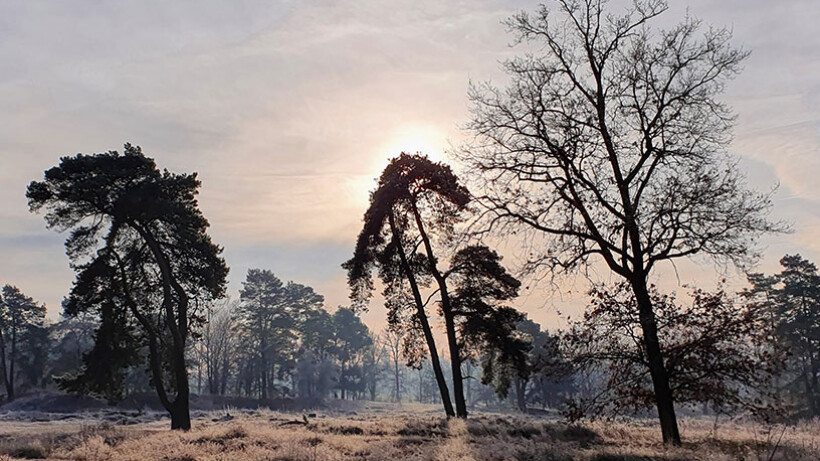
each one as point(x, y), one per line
point(757, 350)
point(277, 341)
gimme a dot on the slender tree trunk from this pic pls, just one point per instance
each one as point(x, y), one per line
point(425, 325)
point(449, 321)
point(342, 381)
point(468, 386)
point(455, 365)
point(657, 369)
point(398, 388)
point(421, 382)
point(12, 359)
point(6, 381)
point(520, 394)
point(814, 388)
point(809, 393)
point(264, 369)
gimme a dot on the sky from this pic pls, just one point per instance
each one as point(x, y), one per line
point(288, 110)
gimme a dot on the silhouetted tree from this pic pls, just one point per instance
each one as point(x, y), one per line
point(141, 252)
point(549, 373)
point(716, 352)
point(350, 338)
point(22, 339)
point(392, 339)
point(72, 337)
point(316, 333)
point(791, 303)
point(273, 318)
point(266, 316)
point(486, 327)
point(373, 364)
point(414, 197)
point(609, 145)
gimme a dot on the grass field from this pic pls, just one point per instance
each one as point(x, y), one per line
point(391, 433)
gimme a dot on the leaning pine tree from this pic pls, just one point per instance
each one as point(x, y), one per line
point(139, 246)
point(609, 145)
point(409, 224)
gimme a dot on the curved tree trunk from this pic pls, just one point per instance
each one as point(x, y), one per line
point(177, 323)
point(455, 362)
point(449, 320)
point(425, 325)
point(657, 370)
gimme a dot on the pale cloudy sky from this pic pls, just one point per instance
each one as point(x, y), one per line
point(289, 109)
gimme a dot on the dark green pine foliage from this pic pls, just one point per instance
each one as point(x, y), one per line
point(411, 222)
point(486, 326)
point(791, 301)
point(271, 316)
point(139, 246)
point(415, 200)
point(23, 337)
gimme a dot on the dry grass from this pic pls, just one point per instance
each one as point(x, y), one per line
point(406, 433)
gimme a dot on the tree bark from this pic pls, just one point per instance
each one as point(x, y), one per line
point(398, 388)
point(425, 325)
point(181, 415)
point(520, 394)
point(264, 369)
point(177, 323)
point(12, 359)
point(449, 320)
point(6, 379)
point(657, 370)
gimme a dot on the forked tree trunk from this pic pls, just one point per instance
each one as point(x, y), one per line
point(449, 321)
point(657, 370)
point(425, 325)
point(177, 323)
point(179, 408)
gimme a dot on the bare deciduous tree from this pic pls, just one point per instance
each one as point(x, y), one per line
point(610, 145)
point(392, 339)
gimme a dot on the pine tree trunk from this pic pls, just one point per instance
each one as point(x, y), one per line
point(3, 369)
point(455, 362)
point(425, 325)
point(520, 394)
point(446, 307)
point(10, 385)
point(398, 388)
point(264, 370)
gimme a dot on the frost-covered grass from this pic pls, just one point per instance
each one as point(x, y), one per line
point(393, 433)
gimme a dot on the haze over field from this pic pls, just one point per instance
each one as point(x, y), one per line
point(289, 110)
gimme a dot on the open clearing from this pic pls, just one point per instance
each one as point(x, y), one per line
point(381, 432)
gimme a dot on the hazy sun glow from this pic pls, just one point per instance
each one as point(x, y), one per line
point(413, 139)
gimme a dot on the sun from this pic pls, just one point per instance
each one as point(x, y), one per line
point(414, 139)
point(411, 138)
